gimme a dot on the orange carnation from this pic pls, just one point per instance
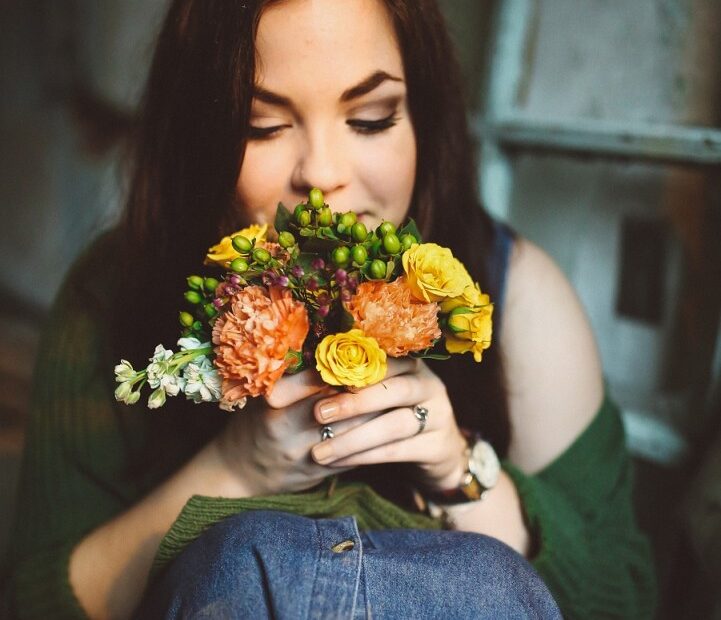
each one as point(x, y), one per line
point(388, 312)
point(252, 340)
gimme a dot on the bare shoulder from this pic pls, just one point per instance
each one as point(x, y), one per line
point(553, 370)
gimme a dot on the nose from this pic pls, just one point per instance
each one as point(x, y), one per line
point(322, 161)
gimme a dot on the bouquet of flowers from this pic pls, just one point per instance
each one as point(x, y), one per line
point(323, 291)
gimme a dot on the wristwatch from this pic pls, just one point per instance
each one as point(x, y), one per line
point(481, 476)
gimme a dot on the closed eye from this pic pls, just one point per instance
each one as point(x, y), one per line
point(264, 133)
point(367, 127)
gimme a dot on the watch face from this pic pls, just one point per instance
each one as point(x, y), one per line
point(484, 465)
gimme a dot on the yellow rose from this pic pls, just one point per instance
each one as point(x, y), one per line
point(223, 252)
point(434, 274)
point(350, 358)
point(471, 330)
point(471, 298)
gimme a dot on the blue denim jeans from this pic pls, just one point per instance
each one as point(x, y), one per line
point(265, 564)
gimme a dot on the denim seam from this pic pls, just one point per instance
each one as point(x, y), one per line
point(358, 571)
point(319, 551)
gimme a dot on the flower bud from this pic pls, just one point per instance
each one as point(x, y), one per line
point(359, 254)
point(197, 326)
point(242, 244)
point(186, 319)
point(193, 297)
point(317, 263)
point(282, 281)
point(261, 255)
point(325, 217)
point(123, 391)
point(157, 398)
point(359, 232)
point(239, 265)
point(455, 321)
point(286, 239)
point(323, 311)
point(312, 284)
point(133, 398)
point(299, 208)
point(315, 198)
point(340, 255)
point(195, 282)
point(341, 276)
point(297, 271)
point(391, 243)
point(377, 269)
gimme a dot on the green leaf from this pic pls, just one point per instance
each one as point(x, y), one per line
point(410, 227)
point(346, 320)
point(283, 218)
point(431, 356)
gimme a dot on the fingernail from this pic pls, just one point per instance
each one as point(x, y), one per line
point(327, 410)
point(322, 452)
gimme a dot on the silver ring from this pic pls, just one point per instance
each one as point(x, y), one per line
point(421, 414)
point(326, 432)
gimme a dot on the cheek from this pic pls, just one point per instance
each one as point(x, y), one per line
point(390, 172)
point(261, 182)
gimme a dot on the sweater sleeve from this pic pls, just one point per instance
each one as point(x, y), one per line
point(73, 470)
point(579, 511)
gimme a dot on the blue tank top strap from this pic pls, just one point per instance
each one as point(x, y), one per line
point(498, 263)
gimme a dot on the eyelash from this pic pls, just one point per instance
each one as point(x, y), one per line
point(362, 127)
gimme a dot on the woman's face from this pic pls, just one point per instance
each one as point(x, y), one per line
point(330, 111)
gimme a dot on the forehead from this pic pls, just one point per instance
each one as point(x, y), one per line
point(324, 45)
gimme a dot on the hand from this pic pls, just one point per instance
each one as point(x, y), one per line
point(376, 425)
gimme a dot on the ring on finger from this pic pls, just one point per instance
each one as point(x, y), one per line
point(326, 432)
point(421, 414)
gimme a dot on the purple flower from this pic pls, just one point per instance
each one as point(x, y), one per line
point(312, 284)
point(323, 311)
point(282, 281)
point(341, 276)
point(297, 271)
point(318, 263)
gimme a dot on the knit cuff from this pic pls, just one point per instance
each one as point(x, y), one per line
point(40, 586)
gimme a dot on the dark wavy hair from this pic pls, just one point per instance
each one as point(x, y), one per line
point(188, 147)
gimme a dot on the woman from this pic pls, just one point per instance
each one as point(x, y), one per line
point(361, 99)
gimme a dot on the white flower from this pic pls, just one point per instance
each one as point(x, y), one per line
point(133, 398)
point(202, 382)
point(188, 344)
point(161, 354)
point(157, 399)
point(123, 391)
point(124, 371)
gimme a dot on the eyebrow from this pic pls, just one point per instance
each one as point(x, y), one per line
point(354, 92)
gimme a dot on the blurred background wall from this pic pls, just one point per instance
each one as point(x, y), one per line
point(597, 128)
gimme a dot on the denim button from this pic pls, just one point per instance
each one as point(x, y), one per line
point(346, 545)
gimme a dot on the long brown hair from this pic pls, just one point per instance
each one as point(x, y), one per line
point(187, 151)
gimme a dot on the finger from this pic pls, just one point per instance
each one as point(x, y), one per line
point(414, 449)
point(389, 427)
point(399, 391)
point(290, 389)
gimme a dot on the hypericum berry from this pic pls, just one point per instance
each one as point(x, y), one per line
point(261, 255)
point(340, 255)
point(385, 228)
point(323, 311)
point(186, 319)
point(391, 243)
point(210, 310)
point(359, 232)
point(359, 254)
point(242, 244)
point(239, 265)
point(304, 218)
point(195, 282)
point(377, 269)
point(286, 239)
point(193, 297)
point(325, 217)
point(299, 208)
point(210, 284)
point(315, 198)
point(408, 240)
point(348, 219)
point(341, 276)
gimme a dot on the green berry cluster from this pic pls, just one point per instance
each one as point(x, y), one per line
point(200, 296)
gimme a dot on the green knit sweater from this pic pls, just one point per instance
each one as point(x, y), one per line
point(84, 463)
